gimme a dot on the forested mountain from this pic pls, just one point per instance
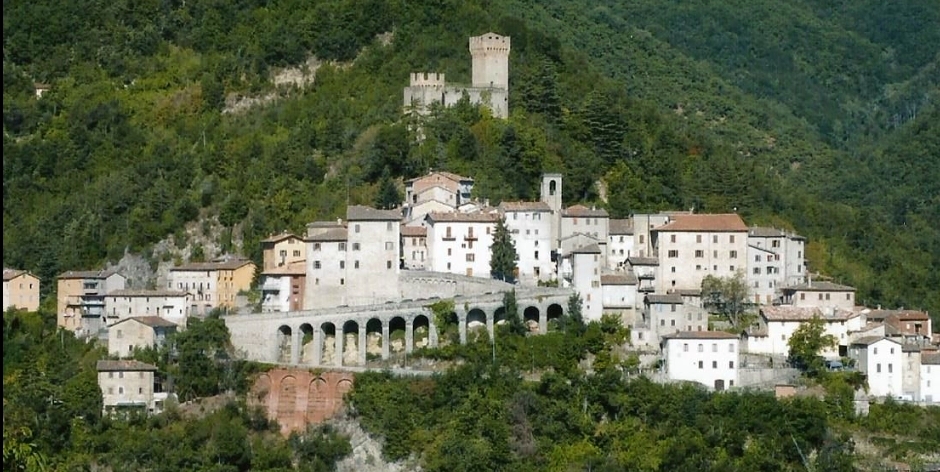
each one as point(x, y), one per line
point(812, 114)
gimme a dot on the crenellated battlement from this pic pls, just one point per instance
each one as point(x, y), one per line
point(427, 79)
point(489, 42)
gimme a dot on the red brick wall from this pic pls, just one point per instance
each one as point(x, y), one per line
point(297, 397)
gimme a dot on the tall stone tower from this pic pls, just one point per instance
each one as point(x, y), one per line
point(551, 195)
point(490, 53)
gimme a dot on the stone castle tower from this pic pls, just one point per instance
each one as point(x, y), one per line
point(490, 80)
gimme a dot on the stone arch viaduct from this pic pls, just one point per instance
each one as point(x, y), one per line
point(325, 337)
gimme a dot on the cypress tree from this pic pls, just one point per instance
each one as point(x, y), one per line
point(503, 254)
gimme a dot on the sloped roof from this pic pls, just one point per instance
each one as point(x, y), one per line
point(89, 274)
point(365, 213)
point(645, 261)
point(447, 175)
point(869, 340)
point(765, 232)
point(125, 366)
point(338, 233)
point(711, 222)
point(820, 287)
point(10, 274)
point(900, 315)
point(589, 249)
point(146, 293)
point(458, 217)
point(930, 359)
point(701, 335)
point(797, 313)
point(414, 231)
point(151, 321)
point(620, 226)
point(524, 206)
point(279, 237)
point(231, 264)
point(625, 278)
point(583, 211)
point(665, 299)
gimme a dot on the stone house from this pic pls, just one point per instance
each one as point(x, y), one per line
point(581, 270)
point(882, 361)
point(619, 243)
point(710, 358)
point(691, 247)
point(414, 247)
point(128, 386)
point(776, 259)
point(819, 295)
point(20, 290)
point(213, 284)
point(281, 250)
point(138, 332)
point(592, 222)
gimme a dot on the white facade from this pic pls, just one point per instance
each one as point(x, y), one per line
point(930, 379)
point(200, 284)
point(170, 305)
point(778, 323)
point(139, 332)
point(776, 259)
point(821, 295)
point(581, 270)
point(620, 243)
point(710, 358)
point(619, 292)
point(530, 224)
point(692, 247)
point(459, 243)
point(882, 362)
point(326, 265)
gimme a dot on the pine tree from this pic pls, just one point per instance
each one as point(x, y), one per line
point(574, 319)
point(503, 254)
point(511, 308)
point(388, 196)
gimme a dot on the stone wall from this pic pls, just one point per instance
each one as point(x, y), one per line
point(298, 397)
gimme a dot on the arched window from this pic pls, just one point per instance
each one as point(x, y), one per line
point(552, 187)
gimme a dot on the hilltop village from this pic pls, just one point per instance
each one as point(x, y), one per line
point(326, 293)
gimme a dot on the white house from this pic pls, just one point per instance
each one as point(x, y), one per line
point(581, 270)
point(619, 242)
point(594, 222)
point(619, 293)
point(819, 294)
point(691, 247)
point(776, 325)
point(459, 243)
point(646, 270)
point(930, 378)
point(171, 305)
point(138, 332)
point(775, 260)
point(530, 224)
point(707, 357)
point(881, 360)
point(325, 265)
point(282, 287)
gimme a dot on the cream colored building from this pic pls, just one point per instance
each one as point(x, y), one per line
point(128, 386)
point(212, 284)
point(20, 290)
point(581, 270)
point(776, 259)
point(691, 247)
point(171, 305)
point(592, 222)
point(281, 250)
point(819, 294)
point(435, 192)
point(80, 296)
point(414, 247)
point(138, 332)
point(620, 243)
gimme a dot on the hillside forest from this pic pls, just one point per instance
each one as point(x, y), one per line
point(815, 115)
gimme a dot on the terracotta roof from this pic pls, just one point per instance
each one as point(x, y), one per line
point(338, 223)
point(146, 293)
point(930, 359)
point(689, 292)
point(88, 274)
point(645, 261)
point(869, 340)
point(457, 217)
point(330, 235)
point(364, 213)
point(712, 222)
point(820, 287)
point(667, 299)
point(217, 265)
point(448, 175)
point(414, 231)
point(901, 315)
point(626, 278)
point(124, 366)
point(152, 321)
point(294, 268)
point(620, 226)
point(765, 232)
point(10, 274)
point(524, 206)
point(701, 335)
point(583, 211)
point(794, 313)
point(279, 238)
point(589, 249)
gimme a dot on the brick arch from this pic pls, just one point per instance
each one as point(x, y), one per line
point(320, 405)
point(287, 396)
point(343, 386)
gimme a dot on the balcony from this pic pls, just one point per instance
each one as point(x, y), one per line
point(271, 286)
point(646, 275)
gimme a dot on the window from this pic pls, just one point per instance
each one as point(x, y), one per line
point(342, 264)
point(642, 239)
point(878, 368)
point(757, 258)
point(876, 351)
point(673, 269)
point(355, 264)
point(316, 246)
point(357, 227)
point(662, 322)
point(110, 390)
point(388, 265)
point(701, 347)
point(731, 364)
point(296, 253)
point(536, 255)
point(685, 347)
point(700, 365)
point(715, 239)
point(672, 322)
point(355, 246)
point(672, 238)
point(388, 226)
point(449, 251)
point(283, 253)
point(731, 239)
point(734, 254)
point(120, 375)
point(342, 246)
point(448, 233)
point(698, 267)
point(140, 390)
point(673, 253)
point(120, 390)
point(448, 266)
point(757, 271)
point(892, 350)
point(389, 245)
point(890, 368)
point(119, 334)
point(699, 253)
point(673, 308)
point(802, 296)
point(827, 296)
point(848, 296)
point(342, 281)
point(714, 347)
point(471, 257)
point(110, 375)
point(731, 348)
point(316, 264)
point(731, 268)
point(698, 238)
point(714, 364)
